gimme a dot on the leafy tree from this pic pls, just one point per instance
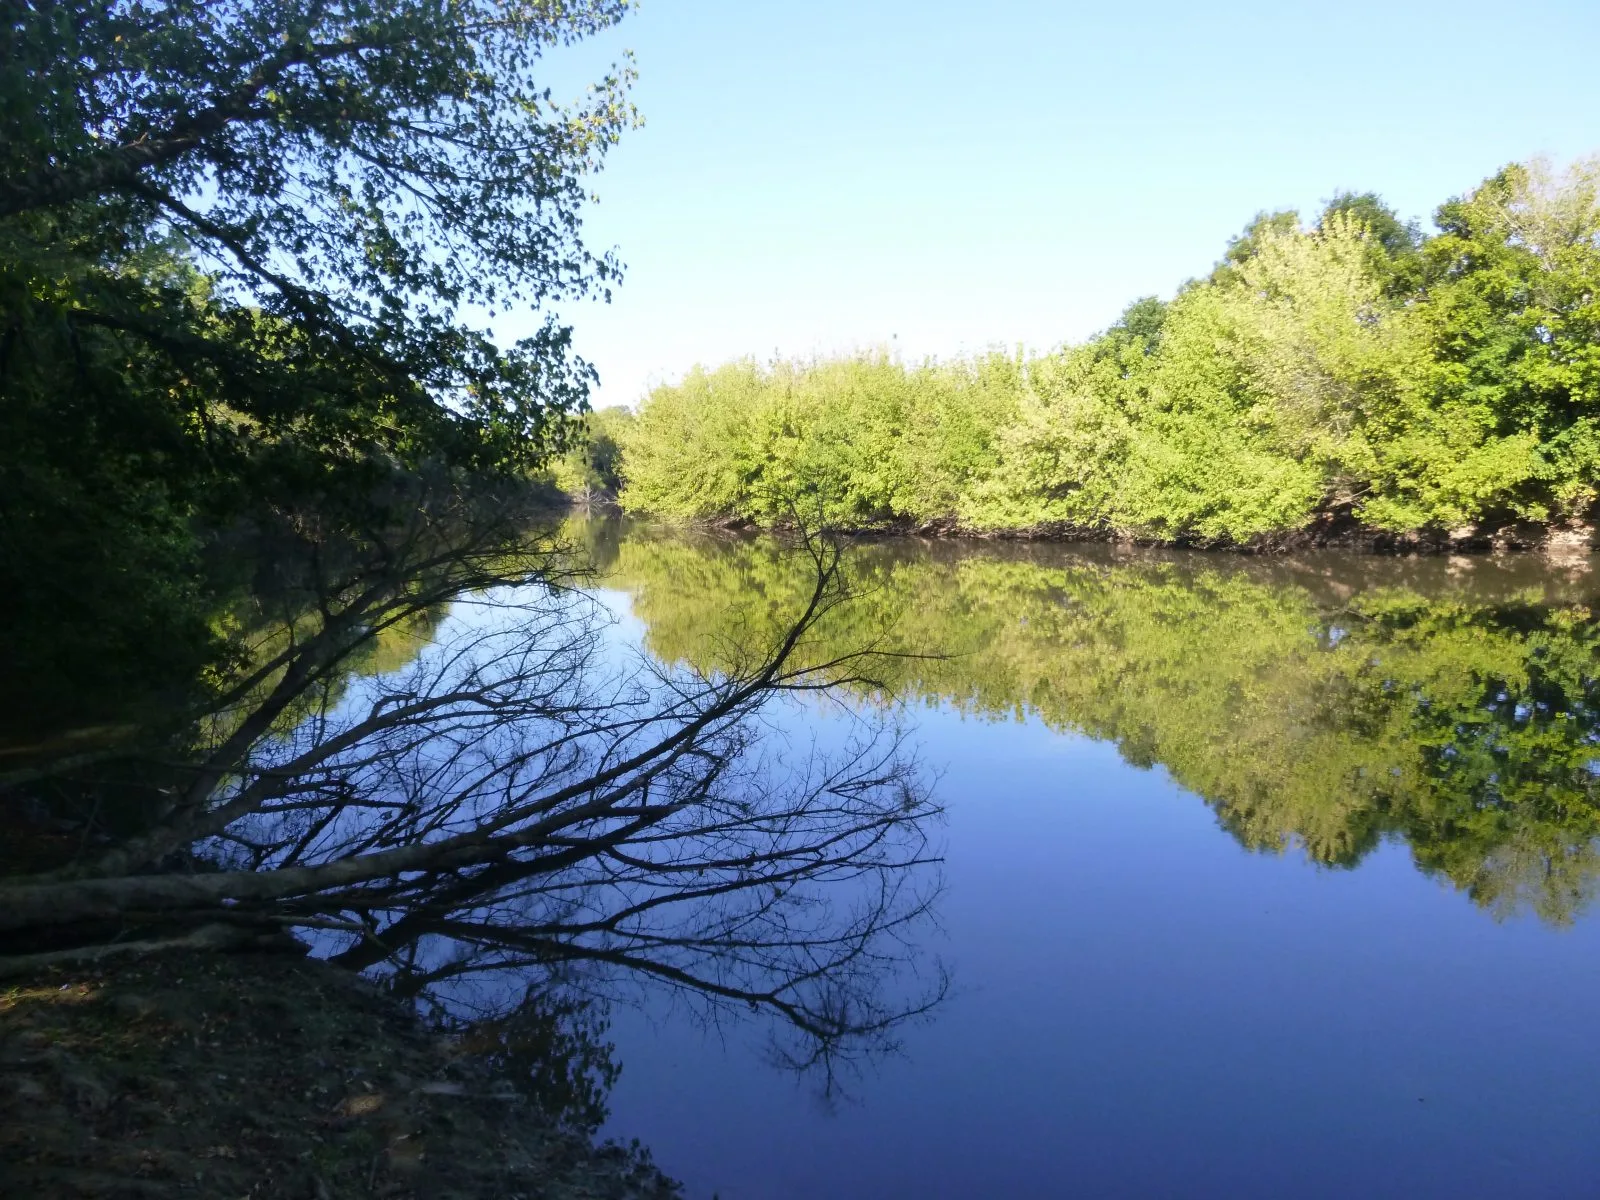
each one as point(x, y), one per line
point(1511, 309)
point(878, 440)
point(1243, 247)
point(1394, 244)
point(592, 468)
point(1141, 322)
point(365, 174)
point(1242, 417)
point(1061, 461)
point(247, 250)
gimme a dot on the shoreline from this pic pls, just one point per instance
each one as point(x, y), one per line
point(1562, 541)
point(272, 1075)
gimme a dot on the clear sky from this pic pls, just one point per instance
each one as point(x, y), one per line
point(941, 177)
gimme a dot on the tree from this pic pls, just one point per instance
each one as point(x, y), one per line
point(509, 802)
point(249, 250)
point(366, 174)
point(880, 440)
point(592, 469)
point(1394, 244)
point(1243, 247)
point(1512, 313)
point(1141, 323)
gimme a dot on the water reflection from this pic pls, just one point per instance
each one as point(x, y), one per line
point(1326, 703)
point(441, 764)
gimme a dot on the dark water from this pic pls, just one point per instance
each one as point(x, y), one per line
point(1264, 878)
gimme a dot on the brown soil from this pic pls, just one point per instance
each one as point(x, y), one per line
point(267, 1075)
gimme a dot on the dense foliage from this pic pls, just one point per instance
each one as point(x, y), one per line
point(1349, 370)
point(1461, 714)
point(248, 253)
point(590, 468)
point(873, 437)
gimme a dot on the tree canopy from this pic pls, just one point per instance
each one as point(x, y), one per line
point(361, 179)
point(250, 256)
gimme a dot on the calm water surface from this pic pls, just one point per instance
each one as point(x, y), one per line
point(1264, 878)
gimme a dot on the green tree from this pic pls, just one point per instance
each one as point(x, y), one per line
point(1511, 310)
point(592, 469)
point(247, 254)
point(1395, 245)
point(367, 174)
point(875, 440)
point(1243, 247)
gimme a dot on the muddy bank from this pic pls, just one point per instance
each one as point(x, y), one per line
point(1332, 532)
point(269, 1075)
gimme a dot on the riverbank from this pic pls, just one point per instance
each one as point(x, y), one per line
point(1561, 541)
point(268, 1075)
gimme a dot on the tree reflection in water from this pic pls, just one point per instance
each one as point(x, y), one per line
point(1327, 702)
point(526, 807)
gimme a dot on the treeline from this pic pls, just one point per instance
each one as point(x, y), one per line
point(1349, 372)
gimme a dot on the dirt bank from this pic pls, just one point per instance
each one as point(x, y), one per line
point(268, 1075)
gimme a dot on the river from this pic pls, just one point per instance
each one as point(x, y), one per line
point(1262, 877)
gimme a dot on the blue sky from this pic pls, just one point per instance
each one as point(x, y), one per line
point(942, 177)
